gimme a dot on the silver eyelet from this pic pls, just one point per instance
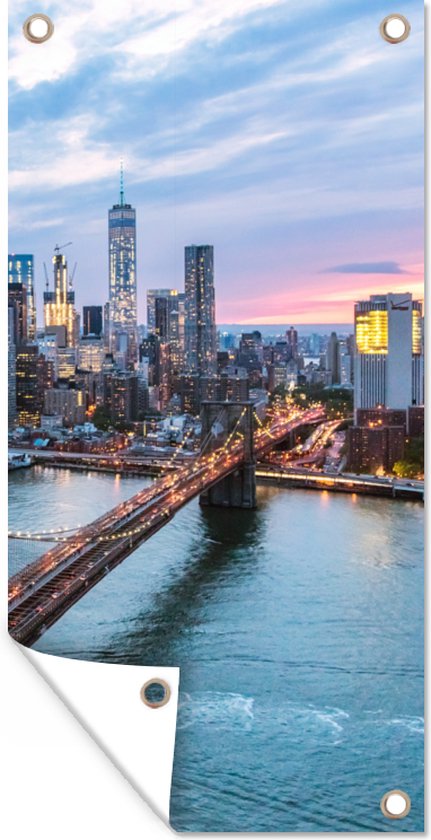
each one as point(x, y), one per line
point(155, 693)
point(403, 26)
point(28, 28)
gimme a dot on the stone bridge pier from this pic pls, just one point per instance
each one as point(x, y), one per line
point(219, 420)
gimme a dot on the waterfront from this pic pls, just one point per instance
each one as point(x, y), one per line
point(299, 638)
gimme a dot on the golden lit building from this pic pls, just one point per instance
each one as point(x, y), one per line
point(59, 305)
point(388, 352)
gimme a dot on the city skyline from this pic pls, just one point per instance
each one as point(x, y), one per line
point(294, 179)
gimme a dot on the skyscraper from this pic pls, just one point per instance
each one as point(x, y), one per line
point(333, 360)
point(200, 326)
point(152, 295)
point(21, 270)
point(17, 302)
point(122, 267)
point(11, 369)
point(292, 342)
point(92, 320)
point(29, 397)
point(388, 352)
point(165, 318)
point(59, 305)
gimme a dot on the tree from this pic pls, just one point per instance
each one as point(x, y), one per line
point(101, 418)
point(412, 465)
point(280, 392)
point(405, 469)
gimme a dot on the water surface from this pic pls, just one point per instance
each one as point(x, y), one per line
point(298, 631)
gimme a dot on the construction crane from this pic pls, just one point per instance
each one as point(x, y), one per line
point(46, 276)
point(72, 276)
point(59, 248)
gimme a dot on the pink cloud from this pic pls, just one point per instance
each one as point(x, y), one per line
point(314, 301)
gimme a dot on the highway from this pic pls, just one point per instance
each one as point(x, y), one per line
point(397, 488)
point(121, 461)
point(45, 589)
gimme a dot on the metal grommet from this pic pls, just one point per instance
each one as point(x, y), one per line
point(395, 804)
point(155, 693)
point(31, 31)
point(395, 28)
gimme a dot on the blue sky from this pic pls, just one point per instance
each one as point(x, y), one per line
point(287, 134)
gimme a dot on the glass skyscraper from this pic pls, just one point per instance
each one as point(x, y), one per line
point(122, 267)
point(200, 326)
point(21, 270)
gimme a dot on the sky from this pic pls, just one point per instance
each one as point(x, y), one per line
point(288, 135)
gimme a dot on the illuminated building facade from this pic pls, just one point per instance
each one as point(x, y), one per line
point(21, 271)
point(200, 326)
point(91, 353)
point(28, 395)
point(388, 352)
point(11, 383)
point(165, 318)
point(122, 268)
point(59, 305)
point(121, 396)
point(373, 448)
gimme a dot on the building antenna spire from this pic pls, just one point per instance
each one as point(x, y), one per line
point(121, 182)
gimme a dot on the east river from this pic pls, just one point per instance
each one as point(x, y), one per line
point(298, 628)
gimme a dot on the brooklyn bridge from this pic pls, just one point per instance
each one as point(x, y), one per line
point(222, 474)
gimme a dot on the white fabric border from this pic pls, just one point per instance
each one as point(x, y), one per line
point(105, 699)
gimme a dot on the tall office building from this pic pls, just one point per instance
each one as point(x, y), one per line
point(176, 332)
point(292, 342)
point(106, 328)
point(388, 352)
point(333, 360)
point(162, 313)
point(59, 305)
point(11, 383)
point(21, 271)
point(122, 267)
point(165, 318)
point(200, 326)
point(152, 296)
point(29, 397)
point(17, 308)
point(92, 320)
point(250, 352)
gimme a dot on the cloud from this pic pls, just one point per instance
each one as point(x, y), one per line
point(387, 267)
point(139, 38)
point(263, 126)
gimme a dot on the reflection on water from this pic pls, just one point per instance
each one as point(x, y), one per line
point(298, 630)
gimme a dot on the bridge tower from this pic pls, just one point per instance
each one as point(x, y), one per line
point(219, 421)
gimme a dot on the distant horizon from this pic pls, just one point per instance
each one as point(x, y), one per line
point(304, 328)
point(271, 329)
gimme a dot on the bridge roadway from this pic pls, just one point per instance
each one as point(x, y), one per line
point(370, 485)
point(45, 589)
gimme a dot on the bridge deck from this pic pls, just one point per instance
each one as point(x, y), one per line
point(47, 588)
